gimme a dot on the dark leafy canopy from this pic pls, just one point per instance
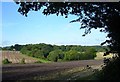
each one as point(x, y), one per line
point(105, 16)
point(54, 52)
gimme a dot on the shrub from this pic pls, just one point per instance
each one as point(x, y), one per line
point(53, 56)
point(72, 55)
point(6, 61)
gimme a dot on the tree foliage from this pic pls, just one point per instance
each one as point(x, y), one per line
point(90, 53)
point(54, 52)
point(72, 55)
point(105, 16)
point(53, 56)
point(15, 47)
point(38, 50)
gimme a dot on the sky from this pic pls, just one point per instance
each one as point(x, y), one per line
point(38, 28)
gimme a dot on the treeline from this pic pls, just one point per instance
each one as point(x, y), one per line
point(55, 53)
point(15, 47)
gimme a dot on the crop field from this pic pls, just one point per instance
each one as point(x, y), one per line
point(43, 71)
point(16, 57)
point(46, 71)
point(100, 55)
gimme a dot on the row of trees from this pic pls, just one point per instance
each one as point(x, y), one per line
point(71, 55)
point(18, 47)
point(54, 52)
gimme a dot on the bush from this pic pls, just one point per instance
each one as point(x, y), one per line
point(53, 56)
point(72, 55)
point(6, 61)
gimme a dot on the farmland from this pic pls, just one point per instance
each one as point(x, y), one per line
point(42, 71)
point(16, 57)
point(99, 55)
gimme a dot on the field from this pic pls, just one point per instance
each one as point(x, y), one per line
point(44, 71)
point(100, 55)
point(16, 57)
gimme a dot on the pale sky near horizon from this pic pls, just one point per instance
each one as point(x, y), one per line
point(37, 28)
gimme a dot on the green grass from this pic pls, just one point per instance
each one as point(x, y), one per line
point(44, 60)
point(39, 60)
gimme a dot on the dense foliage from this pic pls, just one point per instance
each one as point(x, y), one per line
point(53, 56)
point(15, 47)
point(55, 52)
point(112, 71)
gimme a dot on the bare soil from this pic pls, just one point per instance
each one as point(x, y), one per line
point(27, 71)
point(16, 57)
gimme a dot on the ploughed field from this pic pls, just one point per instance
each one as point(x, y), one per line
point(16, 57)
point(37, 71)
point(41, 71)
